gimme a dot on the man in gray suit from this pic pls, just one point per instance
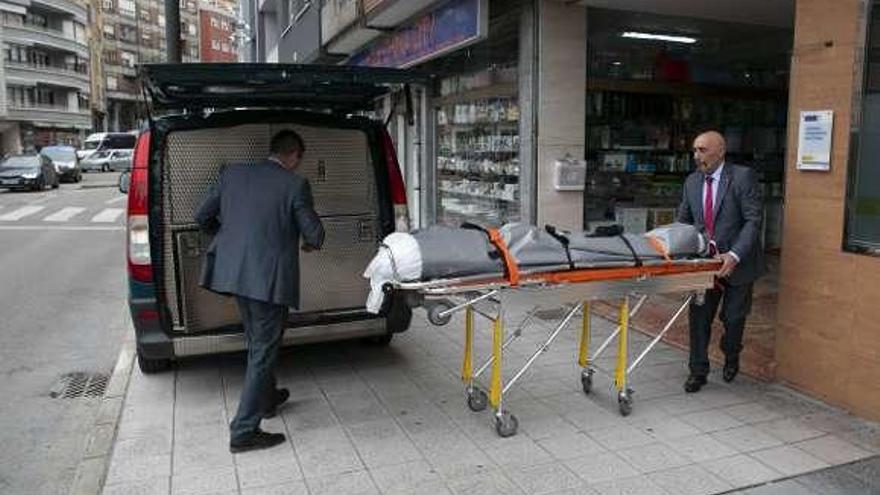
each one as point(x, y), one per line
point(259, 212)
point(724, 202)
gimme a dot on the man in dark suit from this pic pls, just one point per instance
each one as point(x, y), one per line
point(262, 210)
point(724, 202)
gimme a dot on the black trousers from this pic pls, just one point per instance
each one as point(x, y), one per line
point(736, 302)
point(263, 326)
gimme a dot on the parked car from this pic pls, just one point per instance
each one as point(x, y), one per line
point(33, 171)
point(103, 141)
point(65, 161)
point(213, 114)
point(108, 160)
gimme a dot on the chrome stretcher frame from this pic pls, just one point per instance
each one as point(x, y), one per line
point(489, 296)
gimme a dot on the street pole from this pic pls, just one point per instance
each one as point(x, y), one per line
point(172, 31)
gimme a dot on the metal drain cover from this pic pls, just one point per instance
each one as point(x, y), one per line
point(551, 314)
point(79, 384)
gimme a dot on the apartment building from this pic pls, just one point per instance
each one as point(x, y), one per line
point(216, 30)
point(44, 79)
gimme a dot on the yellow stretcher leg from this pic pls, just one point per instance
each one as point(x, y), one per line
point(467, 370)
point(495, 384)
point(620, 372)
point(584, 350)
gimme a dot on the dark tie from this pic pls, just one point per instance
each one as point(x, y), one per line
point(708, 206)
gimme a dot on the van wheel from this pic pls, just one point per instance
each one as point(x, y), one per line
point(380, 340)
point(149, 366)
point(399, 315)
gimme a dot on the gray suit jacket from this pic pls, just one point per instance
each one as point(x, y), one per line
point(262, 210)
point(738, 214)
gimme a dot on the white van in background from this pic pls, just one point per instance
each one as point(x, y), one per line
point(106, 141)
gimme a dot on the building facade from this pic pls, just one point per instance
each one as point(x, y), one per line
point(45, 75)
point(616, 92)
point(216, 29)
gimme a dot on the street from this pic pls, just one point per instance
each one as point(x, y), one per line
point(63, 310)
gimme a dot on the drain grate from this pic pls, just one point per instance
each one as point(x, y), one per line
point(551, 314)
point(80, 384)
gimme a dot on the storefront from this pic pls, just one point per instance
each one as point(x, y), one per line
point(579, 114)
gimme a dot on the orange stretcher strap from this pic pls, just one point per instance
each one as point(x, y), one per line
point(659, 247)
point(597, 274)
point(510, 266)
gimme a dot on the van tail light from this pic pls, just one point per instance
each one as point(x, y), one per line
point(139, 264)
point(395, 184)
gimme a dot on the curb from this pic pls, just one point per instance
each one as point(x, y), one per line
point(93, 465)
point(96, 186)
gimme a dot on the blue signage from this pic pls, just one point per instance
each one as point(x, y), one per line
point(456, 24)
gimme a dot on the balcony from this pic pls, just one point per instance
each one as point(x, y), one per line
point(27, 75)
point(28, 34)
point(66, 6)
point(50, 116)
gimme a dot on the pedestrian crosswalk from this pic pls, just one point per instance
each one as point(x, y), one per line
point(75, 214)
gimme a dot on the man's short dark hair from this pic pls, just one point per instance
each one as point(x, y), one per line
point(286, 142)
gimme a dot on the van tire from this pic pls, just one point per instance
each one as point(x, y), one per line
point(399, 315)
point(149, 366)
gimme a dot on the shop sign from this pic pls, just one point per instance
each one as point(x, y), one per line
point(814, 140)
point(456, 24)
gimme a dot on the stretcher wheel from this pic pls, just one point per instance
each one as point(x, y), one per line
point(624, 402)
point(506, 424)
point(587, 381)
point(477, 400)
point(435, 317)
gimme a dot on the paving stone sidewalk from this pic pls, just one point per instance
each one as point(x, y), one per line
point(392, 420)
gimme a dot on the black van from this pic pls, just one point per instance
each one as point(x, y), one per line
point(213, 114)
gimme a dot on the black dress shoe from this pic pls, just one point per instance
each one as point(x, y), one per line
point(731, 368)
point(281, 396)
point(694, 383)
point(255, 441)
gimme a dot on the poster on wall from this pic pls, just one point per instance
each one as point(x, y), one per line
point(814, 140)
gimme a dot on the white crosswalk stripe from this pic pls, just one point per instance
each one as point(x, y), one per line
point(115, 200)
point(20, 213)
point(108, 215)
point(64, 214)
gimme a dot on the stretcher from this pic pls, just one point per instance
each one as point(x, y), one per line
point(492, 297)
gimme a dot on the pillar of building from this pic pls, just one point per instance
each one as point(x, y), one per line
point(560, 107)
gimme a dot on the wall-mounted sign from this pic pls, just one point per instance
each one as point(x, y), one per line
point(454, 25)
point(814, 140)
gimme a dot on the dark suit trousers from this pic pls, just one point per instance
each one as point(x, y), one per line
point(736, 302)
point(263, 328)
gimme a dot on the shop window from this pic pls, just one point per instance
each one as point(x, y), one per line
point(863, 195)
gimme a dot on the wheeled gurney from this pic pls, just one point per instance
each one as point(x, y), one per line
point(572, 287)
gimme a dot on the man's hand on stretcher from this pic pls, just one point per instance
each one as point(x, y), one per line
point(728, 261)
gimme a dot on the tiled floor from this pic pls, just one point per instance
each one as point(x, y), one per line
point(393, 420)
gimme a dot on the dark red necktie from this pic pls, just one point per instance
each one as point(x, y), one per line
point(708, 206)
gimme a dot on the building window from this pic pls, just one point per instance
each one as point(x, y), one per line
point(192, 30)
point(224, 24)
point(214, 23)
point(112, 83)
point(215, 44)
point(126, 7)
point(108, 5)
point(11, 19)
point(109, 31)
point(863, 196)
point(224, 47)
point(128, 59)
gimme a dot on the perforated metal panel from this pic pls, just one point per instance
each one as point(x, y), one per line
point(337, 164)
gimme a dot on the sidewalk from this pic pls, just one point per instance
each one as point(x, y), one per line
point(392, 420)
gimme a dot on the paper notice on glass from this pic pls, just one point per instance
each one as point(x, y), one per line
point(814, 140)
